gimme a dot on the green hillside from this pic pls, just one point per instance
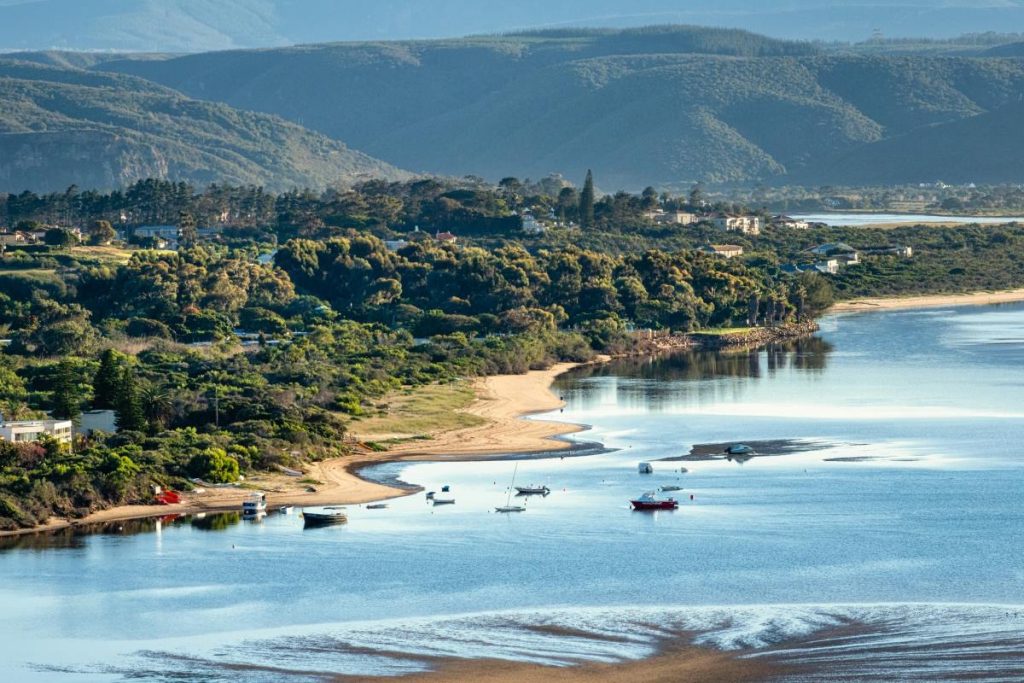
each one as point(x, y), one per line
point(67, 126)
point(666, 104)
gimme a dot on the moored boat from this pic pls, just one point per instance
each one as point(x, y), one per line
point(671, 487)
point(255, 504)
point(533, 490)
point(649, 501)
point(324, 516)
point(286, 509)
point(443, 501)
point(739, 449)
point(377, 506)
point(645, 468)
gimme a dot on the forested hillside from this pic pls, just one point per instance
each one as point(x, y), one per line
point(65, 126)
point(666, 104)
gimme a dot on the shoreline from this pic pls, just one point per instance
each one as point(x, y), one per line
point(502, 400)
point(928, 301)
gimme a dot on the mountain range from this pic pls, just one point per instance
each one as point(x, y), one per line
point(665, 106)
point(67, 126)
point(203, 25)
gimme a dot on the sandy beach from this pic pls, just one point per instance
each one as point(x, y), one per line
point(501, 401)
point(929, 301)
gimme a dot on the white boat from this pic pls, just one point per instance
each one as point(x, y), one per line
point(645, 468)
point(255, 504)
point(286, 509)
point(443, 501)
point(671, 487)
point(508, 507)
point(533, 490)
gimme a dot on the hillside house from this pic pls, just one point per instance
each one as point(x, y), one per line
point(723, 250)
point(662, 217)
point(29, 431)
point(531, 226)
point(747, 225)
point(790, 223)
point(828, 266)
point(446, 237)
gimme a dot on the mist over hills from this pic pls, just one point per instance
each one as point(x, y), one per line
point(663, 105)
point(62, 127)
point(202, 25)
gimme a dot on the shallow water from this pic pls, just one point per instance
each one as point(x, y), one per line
point(869, 219)
point(898, 532)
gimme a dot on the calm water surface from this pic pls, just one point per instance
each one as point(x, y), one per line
point(869, 219)
point(888, 546)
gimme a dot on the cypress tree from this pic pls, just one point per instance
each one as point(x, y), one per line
point(130, 415)
point(587, 202)
point(107, 382)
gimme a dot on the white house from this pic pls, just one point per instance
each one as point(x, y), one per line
point(723, 250)
point(27, 431)
point(828, 266)
point(531, 226)
point(748, 225)
point(662, 217)
point(791, 223)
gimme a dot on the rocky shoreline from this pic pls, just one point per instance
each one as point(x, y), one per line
point(752, 338)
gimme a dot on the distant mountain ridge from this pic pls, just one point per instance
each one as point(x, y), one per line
point(661, 105)
point(203, 25)
point(62, 127)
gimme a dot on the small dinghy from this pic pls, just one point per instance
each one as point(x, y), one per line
point(286, 509)
point(645, 468)
point(739, 449)
point(671, 487)
point(377, 506)
point(444, 501)
point(533, 490)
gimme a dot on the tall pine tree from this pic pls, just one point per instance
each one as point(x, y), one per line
point(67, 398)
point(587, 202)
point(107, 382)
point(130, 417)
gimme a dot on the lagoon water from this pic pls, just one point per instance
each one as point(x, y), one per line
point(885, 543)
point(870, 219)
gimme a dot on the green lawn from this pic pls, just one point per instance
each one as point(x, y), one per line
point(423, 410)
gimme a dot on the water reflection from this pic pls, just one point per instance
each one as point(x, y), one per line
point(75, 536)
point(659, 382)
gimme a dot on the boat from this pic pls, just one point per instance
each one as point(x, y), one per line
point(649, 501)
point(508, 507)
point(286, 509)
point(255, 504)
point(324, 516)
point(377, 506)
point(671, 487)
point(445, 488)
point(168, 497)
point(739, 449)
point(645, 468)
point(430, 495)
point(444, 501)
point(532, 490)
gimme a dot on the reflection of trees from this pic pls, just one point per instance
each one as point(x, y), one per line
point(218, 522)
point(665, 378)
point(73, 537)
point(810, 354)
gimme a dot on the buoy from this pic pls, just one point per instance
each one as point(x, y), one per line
point(691, 496)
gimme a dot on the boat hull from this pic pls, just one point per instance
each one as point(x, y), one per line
point(654, 505)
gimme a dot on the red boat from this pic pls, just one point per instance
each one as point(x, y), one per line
point(648, 501)
point(168, 498)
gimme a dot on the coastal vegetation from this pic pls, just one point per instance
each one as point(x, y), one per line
point(283, 323)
